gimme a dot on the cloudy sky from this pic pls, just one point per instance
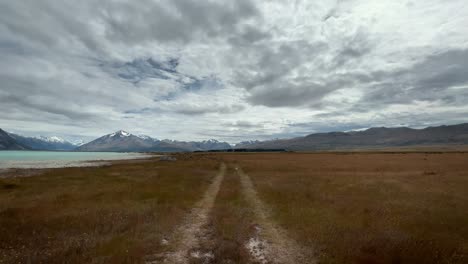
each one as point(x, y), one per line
point(230, 70)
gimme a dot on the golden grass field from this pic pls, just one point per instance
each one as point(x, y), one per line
point(114, 214)
point(360, 208)
point(368, 208)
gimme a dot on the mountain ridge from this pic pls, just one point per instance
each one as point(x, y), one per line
point(371, 138)
point(44, 143)
point(125, 141)
point(9, 143)
point(374, 137)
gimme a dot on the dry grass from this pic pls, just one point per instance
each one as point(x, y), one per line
point(230, 225)
point(115, 214)
point(361, 208)
point(232, 222)
point(368, 208)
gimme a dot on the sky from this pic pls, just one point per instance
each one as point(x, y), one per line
point(230, 70)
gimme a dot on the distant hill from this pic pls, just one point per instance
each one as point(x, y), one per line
point(373, 138)
point(200, 145)
point(246, 144)
point(379, 137)
point(9, 143)
point(126, 142)
point(44, 143)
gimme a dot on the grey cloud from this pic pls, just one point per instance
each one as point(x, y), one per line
point(210, 83)
point(443, 70)
point(272, 62)
point(295, 74)
point(428, 80)
point(36, 25)
point(353, 48)
point(299, 92)
point(244, 124)
point(39, 25)
point(287, 94)
point(53, 99)
point(140, 69)
point(10, 101)
point(249, 35)
point(337, 9)
point(333, 12)
point(207, 109)
point(89, 64)
point(138, 111)
point(325, 126)
point(175, 20)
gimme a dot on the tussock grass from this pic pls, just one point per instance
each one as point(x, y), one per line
point(368, 208)
point(112, 214)
point(232, 221)
point(361, 208)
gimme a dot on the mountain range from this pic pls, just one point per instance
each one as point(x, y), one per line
point(378, 137)
point(124, 141)
point(120, 141)
point(44, 143)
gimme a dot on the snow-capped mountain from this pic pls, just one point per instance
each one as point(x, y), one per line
point(246, 144)
point(118, 141)
point(78, 142)
point(382, 137)
point(211, 144)
point(120, 133)
point(53, 139)
point(44, 143)
point(145, 137)
point(125, 141)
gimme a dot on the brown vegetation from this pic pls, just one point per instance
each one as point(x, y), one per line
point(362, 208)
point(113, 214)
point(368, 208)
point(232, 222)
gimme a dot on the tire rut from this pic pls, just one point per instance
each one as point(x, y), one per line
point(193, 231)
point(270, 243)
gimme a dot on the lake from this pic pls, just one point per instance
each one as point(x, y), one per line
point(57, 159)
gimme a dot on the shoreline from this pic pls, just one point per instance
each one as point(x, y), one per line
point(32, 168)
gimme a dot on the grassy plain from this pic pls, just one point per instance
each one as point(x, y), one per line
point(363, 208)
point(368, 207)
point(112, 214)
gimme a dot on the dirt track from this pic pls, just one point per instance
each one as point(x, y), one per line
point(270, 244)
point(188, 236)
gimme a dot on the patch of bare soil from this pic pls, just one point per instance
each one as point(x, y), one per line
point(269, 243)
point(186, 241)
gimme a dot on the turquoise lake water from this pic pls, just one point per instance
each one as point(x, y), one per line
point(56, 159)
point(58, 155)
